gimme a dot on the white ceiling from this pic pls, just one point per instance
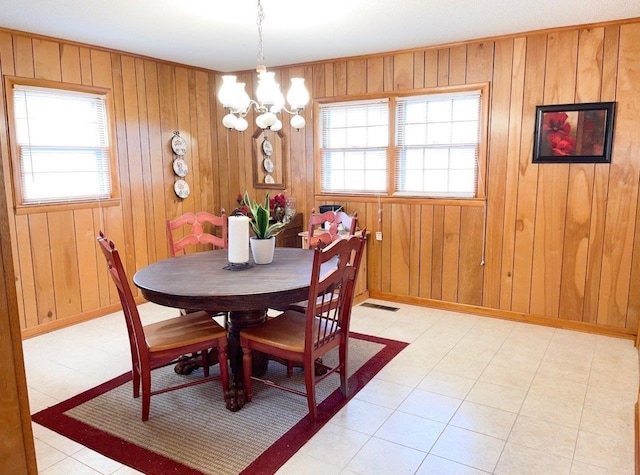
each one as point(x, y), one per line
point(223, 36)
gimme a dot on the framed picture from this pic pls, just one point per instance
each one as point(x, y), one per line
point(574, 133)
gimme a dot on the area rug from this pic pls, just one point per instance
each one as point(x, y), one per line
point(191, 432)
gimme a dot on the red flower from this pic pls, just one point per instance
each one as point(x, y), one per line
point(277, 201)
point(555, 125)
point(562, 145)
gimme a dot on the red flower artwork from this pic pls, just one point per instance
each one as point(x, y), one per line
point(562, 145)
point(558, 131)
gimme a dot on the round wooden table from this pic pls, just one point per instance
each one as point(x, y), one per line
point(199, 281)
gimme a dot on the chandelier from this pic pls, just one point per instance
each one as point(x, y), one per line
point(270, 101)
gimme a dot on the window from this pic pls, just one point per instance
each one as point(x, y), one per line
point(61, 144)
point(436, 149)
point(437, 144)
point(354, 142)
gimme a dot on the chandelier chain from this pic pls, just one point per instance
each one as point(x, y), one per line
point(259, 23)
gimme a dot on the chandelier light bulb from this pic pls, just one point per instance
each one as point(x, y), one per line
point(241, 124)
point(229, 121)
point(260, 121)
point(277, 126)
point(269, 118)
point(297, 122)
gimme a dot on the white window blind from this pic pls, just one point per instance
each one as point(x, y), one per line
point(63, 145)
point(437, 145)
point(354, 139)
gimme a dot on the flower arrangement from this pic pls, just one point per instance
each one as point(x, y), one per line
point(277, 206)
point(261, 218)
point(558, 133)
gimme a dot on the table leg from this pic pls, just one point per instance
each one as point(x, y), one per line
point(238, 320)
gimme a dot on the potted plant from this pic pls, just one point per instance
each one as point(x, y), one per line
point(264, 242)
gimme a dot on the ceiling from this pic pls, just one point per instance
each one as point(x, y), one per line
point(223, 36)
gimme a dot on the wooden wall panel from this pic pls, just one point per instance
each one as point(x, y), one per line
point(498, 148)
point(561, 239)
point(623, 192)
point(60, 275)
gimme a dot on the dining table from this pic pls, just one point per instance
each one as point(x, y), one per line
point(207, 281)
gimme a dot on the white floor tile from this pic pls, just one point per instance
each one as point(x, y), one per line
point(484, 419)
point(520, 460)
point(563, 400)
point(430, 405)
point(434, 465)
point(385, 458)
point(411, 431)
point(544, 436)
point(335, 445)
point(469, 448)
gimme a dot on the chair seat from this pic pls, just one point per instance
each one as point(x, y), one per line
point(285, 332)
point(181, 331)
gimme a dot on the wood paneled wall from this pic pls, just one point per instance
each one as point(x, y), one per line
point(60, 275)
point(562, 240)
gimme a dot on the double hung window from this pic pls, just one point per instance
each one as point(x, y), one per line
point(426, 145)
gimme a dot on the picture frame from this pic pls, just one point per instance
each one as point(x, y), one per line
point(574, 133)
point(269, 153)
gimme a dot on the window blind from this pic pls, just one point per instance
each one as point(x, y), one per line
point(437, 145)
point(354, 139)
point(63, 144)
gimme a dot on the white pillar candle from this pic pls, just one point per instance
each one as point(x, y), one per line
point(238, 239)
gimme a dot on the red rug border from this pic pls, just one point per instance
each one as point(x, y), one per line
point(147, 461)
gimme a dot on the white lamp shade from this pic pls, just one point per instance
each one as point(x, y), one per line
point(297, 122)
point(298, 96)
point(268, 89)
point(242, 101)
point(227, 91)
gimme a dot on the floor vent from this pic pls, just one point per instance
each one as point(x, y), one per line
point(380, 307)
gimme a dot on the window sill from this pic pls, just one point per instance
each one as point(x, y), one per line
point(67, 206)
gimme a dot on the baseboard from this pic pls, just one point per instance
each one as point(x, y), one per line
point(508, 315)
point(79, 318)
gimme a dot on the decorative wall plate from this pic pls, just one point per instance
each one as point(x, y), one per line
point(180, 167)
point(267, 148)
point(181, 188)
point(178, 144)
point(267, 163)
point(269, 179)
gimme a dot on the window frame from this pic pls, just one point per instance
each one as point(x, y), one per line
point(392, 97)
point(24, 208)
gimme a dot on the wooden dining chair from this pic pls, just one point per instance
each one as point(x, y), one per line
point(334, 218)
point(324, 239)
point(196, 234)
point(303, 338)
point(161, 344)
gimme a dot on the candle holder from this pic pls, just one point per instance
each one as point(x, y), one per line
point(242, 266)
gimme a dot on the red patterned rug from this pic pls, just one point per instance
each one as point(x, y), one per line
point(186, 437)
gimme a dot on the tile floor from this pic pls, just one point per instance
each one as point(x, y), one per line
point(469, 395)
